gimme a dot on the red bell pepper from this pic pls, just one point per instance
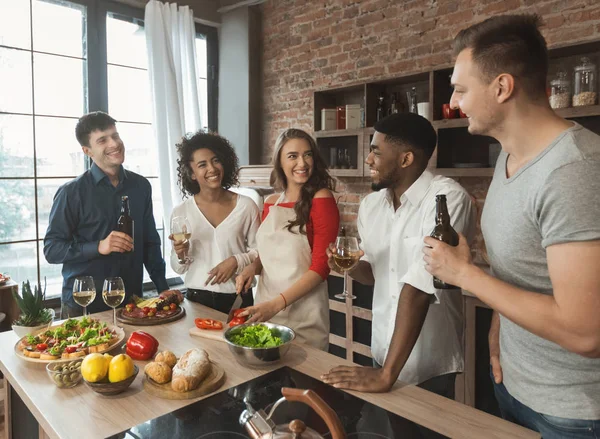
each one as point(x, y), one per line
point(208, 324)
point(141, 346)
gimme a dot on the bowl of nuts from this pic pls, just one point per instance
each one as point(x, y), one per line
point(65, 374)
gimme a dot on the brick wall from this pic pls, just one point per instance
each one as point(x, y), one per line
point(311, 45)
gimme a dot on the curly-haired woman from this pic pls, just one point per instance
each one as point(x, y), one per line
point(223, 223)
point(297, 227)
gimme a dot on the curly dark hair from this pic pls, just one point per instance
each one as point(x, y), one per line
point(217, 144)
point(319, 179)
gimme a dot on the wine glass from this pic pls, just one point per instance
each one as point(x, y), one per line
point(346, 256)
point(113, 293)
point(84, 291)
point(181, 231)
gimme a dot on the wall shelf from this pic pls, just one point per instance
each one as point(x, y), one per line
point(450, 123)
point(338, 133)
point(464, 172)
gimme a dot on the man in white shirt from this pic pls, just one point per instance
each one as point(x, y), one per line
point(417, 329)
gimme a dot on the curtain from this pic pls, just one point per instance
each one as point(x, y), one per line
point(170, 43)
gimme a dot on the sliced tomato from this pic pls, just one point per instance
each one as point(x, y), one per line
point(237, 321)
point(208, 324)
point(41, 347)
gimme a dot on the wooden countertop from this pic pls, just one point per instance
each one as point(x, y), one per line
point(79, 412)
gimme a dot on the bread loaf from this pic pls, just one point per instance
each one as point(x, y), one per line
point(190, 370)
point(158, 371)
point(167, 357)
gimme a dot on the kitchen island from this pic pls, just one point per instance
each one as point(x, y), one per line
point(79, 412)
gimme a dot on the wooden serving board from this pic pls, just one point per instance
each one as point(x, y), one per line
point(114, 344)
point(211, 334)
point(212, 382)
point(149, 321)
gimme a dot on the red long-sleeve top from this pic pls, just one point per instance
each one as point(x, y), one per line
point(321, 230)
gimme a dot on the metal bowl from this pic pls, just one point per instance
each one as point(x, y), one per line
point(260, 356)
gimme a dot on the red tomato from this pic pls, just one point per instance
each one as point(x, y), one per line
point(146, 310)
point(173, 306)
point(129, 307)
point(70, 349)
point(237, 321)
point(42, 347)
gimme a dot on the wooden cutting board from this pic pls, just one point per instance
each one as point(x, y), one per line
point(211, 383)
point(212, 334)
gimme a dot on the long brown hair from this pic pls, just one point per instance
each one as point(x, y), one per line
point(319, 178)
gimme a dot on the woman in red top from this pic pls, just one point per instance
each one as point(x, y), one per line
point(298, 225)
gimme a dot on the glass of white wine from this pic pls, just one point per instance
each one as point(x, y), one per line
point(345, 257)
point(113, 293)
point(84, 291)
point(181, 231)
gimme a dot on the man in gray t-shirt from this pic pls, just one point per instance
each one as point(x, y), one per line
point(541, 224)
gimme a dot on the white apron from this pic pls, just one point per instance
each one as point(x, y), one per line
point(285, 257)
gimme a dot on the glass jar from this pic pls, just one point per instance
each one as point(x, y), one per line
point(585, 84)
point(560, 91)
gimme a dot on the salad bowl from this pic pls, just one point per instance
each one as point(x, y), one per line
point(242, 339)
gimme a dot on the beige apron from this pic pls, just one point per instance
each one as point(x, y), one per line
point(285, 257)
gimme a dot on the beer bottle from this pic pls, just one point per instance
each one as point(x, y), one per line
point(125, 222)
point(444, 232)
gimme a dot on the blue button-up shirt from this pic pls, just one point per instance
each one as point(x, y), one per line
point(84, 212)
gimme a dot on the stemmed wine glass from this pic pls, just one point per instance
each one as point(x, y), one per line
point(84, 291)
point(113, 293)
point(346, 256)
point(182, 231)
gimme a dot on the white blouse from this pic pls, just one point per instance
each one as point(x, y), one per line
point(209, 246)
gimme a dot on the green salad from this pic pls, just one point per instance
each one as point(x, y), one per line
point(258, 336)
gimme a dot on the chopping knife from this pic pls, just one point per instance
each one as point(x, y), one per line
point(236, 305)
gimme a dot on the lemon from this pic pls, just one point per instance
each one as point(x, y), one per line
point(120, 368)
point(108, 358)
point(94, 367)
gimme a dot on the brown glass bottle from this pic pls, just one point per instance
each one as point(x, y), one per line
point(125, 223)
point(444, 232)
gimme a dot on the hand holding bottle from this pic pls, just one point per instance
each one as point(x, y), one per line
point(115, 242)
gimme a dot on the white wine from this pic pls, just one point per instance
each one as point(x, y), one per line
point(113, 298)
point(181, 236)
point(346, 261)
point(84, 298)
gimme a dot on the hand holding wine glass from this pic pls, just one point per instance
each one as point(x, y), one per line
point(181, 232)
point(84, 291)
point(345, 257)
point(113, 293)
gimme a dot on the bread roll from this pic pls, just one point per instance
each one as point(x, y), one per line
point(190, 370)
point(167, 357)
point(158, 371)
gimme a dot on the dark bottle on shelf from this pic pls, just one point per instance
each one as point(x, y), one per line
point(380, 107)
point(125, 223)
point(393, 105)
point(444, 232)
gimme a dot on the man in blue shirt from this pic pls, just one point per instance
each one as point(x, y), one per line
point(81, 231)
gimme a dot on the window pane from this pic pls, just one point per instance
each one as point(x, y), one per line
point(16, 146)
point(15, 29)
point(203, 96)
point(201, 60)
point(140, 152)
point(61, 93)
point(52, 273)
point(58, 152)
point(59, 27)
point(20, 261)
point(15, 81)
point(129, 94)
point(17, 216)
point(125, 42)
point(156, 202)
point(46, 190)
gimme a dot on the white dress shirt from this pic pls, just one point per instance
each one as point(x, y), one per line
point(393, 245)
point(209, 246)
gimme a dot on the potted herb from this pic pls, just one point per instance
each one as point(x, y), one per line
point(33, 314)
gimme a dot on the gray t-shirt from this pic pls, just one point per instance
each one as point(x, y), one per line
point(553, 199)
